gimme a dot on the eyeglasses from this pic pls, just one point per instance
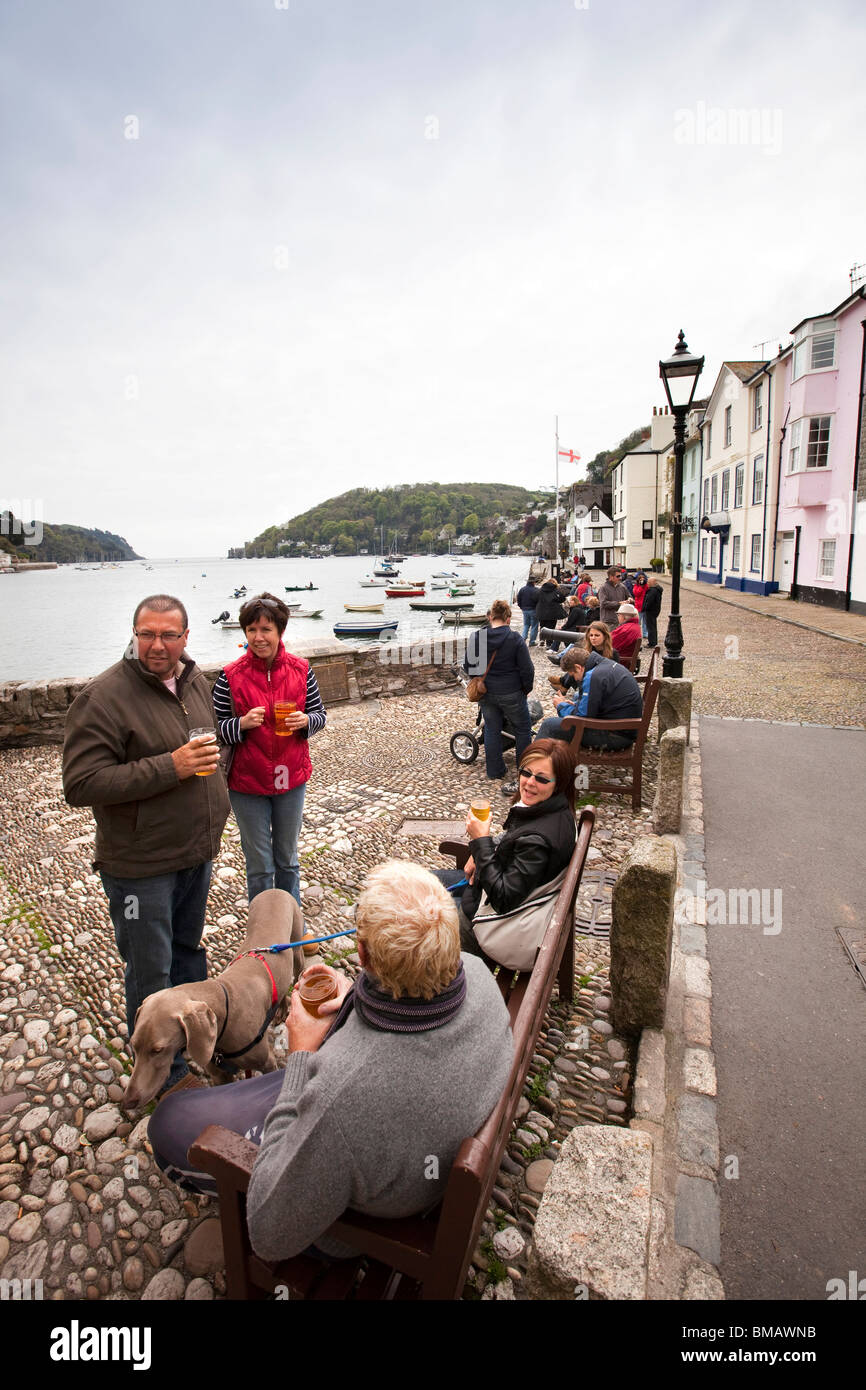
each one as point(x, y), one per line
point(536, 776)
point(162, 636)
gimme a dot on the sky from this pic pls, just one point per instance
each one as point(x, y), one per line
point(257, 253)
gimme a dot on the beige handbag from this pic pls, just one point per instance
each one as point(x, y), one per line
point(512, 938)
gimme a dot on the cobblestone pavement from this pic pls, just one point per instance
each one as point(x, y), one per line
point(746, 664)
point(82, 1206)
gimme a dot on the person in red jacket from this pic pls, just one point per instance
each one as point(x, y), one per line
point(627, 634)
point(270, 766)
point(637, 597)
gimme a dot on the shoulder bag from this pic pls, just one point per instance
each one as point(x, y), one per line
point(512, 938)
point(476, 689)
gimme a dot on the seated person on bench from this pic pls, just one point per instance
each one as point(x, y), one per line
point(536, 844)
point(408, 1063)
point(607, 691)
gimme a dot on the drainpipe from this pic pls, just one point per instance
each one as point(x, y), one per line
point(766, 473)
point(856, 479)
point(797, 530)
point(782, 433)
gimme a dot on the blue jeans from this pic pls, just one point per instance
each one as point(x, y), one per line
point(158, 924)
point(530, 625)
point(270, 826)
point(592, 738)
point(495, 708)
point(643, 626)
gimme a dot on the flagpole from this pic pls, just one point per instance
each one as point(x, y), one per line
point(556, 557)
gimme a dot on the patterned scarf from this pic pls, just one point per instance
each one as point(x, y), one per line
point(404, 1015)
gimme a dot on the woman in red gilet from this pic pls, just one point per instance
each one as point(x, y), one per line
point(267, 704)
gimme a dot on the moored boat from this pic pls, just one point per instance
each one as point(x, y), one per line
point(357, 627)
point(364, 607)
point(305, 612)
point(440, 605)
point(405, 591)
point(464, 617)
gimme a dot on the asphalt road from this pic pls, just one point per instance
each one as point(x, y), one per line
point(784, 810)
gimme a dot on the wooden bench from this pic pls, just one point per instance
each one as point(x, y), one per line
point(625, 758)
point(418, 1256)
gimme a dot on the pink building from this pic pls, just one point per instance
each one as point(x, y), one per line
point(818, 384)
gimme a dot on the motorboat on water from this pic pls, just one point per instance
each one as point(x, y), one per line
point(440, 605)
point(299, 588)
point(364, 607)
point(461, 617)
point(405, 591)
point(368, 582)
point(357, 627)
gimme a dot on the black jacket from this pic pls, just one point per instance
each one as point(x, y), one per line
point(528, 598)
point(549, 609)
point(537, 843)
point(512, 672)
point(652, 601)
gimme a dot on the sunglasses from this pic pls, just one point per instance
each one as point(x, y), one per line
point(542, 781)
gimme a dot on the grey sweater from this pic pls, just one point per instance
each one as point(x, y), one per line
point(373, 1120)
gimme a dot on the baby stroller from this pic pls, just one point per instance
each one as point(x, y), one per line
point(466, 744)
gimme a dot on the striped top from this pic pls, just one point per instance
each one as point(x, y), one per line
point(229, 725)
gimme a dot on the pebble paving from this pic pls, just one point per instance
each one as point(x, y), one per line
point(82, 1206)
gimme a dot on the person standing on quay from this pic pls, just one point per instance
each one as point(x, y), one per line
point(158, 799)
point(509, 679)
point(611, 594)
point(270, 764)
point(527, 602)
point(652, 606)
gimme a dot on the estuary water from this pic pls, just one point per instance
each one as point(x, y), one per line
point(72, 622)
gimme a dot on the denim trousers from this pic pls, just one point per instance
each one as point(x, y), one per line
point(158, 923)
point(270, 826)
point(496, 708)
point(530, 625)
point(592, 738)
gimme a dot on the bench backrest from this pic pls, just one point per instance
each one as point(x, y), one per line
point(473, 1173)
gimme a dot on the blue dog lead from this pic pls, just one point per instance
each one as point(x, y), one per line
point(310, 941)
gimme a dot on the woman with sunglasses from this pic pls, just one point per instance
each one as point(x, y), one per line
point(269, 769)
point(537, 840)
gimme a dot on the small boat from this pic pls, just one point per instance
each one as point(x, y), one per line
point(234, 626)
point(364, 607)
point(464, 564)
point(404, 591)
point(440, 605)
point(305, 612)
point(369, 582)
point(357, 627)
point(299, 588)
point(463, 618)
point(445, 574)
point(385, 570)
point(461, 590)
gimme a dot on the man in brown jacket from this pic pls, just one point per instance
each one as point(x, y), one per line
point(611, 594)
point(159, 801)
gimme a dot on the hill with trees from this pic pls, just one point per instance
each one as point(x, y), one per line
point(414, 515)
point(61, 543)
point(599, 467)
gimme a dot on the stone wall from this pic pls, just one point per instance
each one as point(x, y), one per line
point(34, 712)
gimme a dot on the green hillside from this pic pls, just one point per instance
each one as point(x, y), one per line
point(64, 544)
point(416, 512)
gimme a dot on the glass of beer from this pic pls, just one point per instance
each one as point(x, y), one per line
point(480, 808)
point(203, 736)
point(281, 709)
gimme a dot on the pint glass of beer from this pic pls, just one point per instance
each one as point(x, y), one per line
point(480, 808)
point(281, 709)
point(203, 736)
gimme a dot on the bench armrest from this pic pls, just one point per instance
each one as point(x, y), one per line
point(460, 849)
point(227, 1156)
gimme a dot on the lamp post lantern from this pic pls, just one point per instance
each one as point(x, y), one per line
point(680, 373)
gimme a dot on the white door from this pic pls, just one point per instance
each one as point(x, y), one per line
point(786, 567)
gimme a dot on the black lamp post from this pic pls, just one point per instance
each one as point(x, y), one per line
point(680, 373)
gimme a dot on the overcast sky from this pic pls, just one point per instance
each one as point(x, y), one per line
point(369, 243)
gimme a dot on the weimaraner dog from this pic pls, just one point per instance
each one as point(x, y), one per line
point(230, 1011)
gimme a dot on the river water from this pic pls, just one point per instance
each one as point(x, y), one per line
point(71, 623)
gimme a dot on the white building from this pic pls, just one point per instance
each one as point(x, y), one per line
point(737, 486)
point(638, 486)
point(590, 533)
